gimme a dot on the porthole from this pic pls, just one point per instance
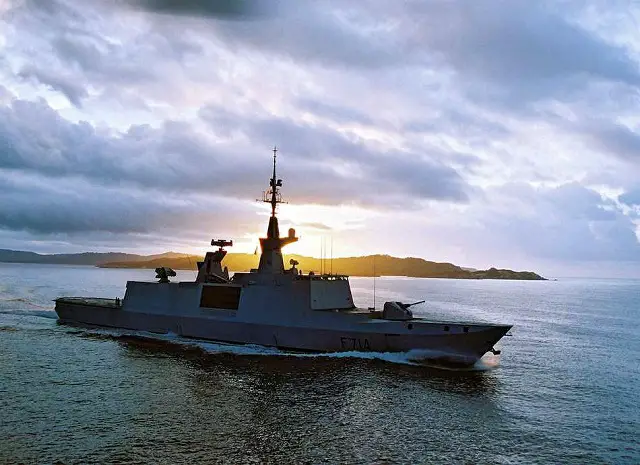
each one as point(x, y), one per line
point(466, 329)
point(446, 328)
point(410, 326)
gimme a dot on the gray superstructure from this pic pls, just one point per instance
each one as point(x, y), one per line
point(274, 306)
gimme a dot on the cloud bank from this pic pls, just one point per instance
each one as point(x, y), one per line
point(491, 132)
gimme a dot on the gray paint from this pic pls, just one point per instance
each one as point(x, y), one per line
point(279, 313)
point(279, 307)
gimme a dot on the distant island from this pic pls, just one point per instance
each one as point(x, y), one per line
point(385, 265)
point(85, 258)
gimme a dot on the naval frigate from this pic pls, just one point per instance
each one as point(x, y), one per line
point(279, 307)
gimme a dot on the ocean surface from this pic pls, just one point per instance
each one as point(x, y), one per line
point(566, 388)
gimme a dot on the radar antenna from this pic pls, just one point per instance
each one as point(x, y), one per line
point(272, 195)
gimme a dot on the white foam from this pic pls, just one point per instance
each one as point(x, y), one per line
point(415, 357)
point(258, 350)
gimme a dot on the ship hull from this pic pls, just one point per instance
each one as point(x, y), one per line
point(460, 344)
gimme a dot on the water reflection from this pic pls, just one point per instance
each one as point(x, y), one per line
point(313, 375)
point(257, 407)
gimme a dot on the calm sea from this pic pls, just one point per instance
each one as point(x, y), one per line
point(566, 388)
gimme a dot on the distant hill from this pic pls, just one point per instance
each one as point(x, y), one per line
point(385, 265)
point(86, 258)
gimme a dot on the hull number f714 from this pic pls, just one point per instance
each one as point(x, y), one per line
point(355, 343)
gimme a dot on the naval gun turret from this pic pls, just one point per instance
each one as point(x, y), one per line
point(398, 311)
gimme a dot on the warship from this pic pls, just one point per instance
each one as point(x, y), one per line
point(278, 307)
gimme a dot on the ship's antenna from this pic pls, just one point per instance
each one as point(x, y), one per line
point(274, 184)
point(324, 254)
point(374, 282)
point(331, 259)
point(272, 195)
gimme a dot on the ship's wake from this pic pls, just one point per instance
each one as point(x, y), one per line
point(44, 313)
point(25, 306)
point(416, 357)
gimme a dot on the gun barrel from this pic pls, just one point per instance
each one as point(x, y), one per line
point(415, 303)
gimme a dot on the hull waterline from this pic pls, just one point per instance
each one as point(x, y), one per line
point(461, 344)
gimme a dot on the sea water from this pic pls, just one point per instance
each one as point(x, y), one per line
point(565, 389)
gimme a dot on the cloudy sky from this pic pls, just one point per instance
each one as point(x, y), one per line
point(478, 132)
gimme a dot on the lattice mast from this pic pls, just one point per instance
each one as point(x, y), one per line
point(272, 195)
point(271, 258)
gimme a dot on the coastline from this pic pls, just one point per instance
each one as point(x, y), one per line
point(363, 266)
point(352, 266)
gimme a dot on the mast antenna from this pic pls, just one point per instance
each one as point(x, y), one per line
point(274, 190)
point(323, 254)
point(272, 195)
point(374, 285)
point(374, 282)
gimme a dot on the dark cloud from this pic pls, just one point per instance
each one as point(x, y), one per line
point(472, 130)
point(401, 175)
point(316, 32)
point(67, 86)
point(575, 201)
point(419, 176)
point(631, 197)
point(506, 54)
point(70, 205)
point(35, 138)
point(333, 112)
point(5, 94)
point(42, 209)
point(47, 7)
point(523, 48)
point(219, 9)
point(102, 59)
point(319, 33)
point(614, 138)
point(567, 223)
point(321, 165)
point(73, 45)
point(518, 51)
